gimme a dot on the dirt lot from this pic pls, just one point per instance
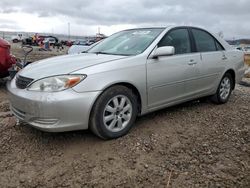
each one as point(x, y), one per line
point(36, 55)
point(196, 144)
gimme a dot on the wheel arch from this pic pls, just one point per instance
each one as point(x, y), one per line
point(232, 73)
point(134, 89)
point(131, 86)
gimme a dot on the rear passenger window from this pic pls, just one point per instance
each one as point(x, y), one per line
point(204, 42)
point(178, 38)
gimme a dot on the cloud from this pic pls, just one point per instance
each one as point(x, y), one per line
point(8, 24)
point(9, 27)
point(229, 16)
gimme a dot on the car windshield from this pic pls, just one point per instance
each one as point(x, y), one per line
point(128, 42)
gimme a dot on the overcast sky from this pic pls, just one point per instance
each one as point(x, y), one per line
point(85, 16)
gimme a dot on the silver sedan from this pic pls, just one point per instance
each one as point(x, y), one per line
point(131, 73)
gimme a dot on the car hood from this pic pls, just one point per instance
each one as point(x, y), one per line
point(65, 64)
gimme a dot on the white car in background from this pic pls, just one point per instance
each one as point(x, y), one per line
point(79, 47)
point(50, 40)
point(17, 38)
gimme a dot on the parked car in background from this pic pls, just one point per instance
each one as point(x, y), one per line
point(131, 73)
point(27, 41)
point(79, 47)
point(41, 39)
point(81, 42)
point(17, 38)
point(91, 41)
point(49, 40)
point(6, 59)
point(69, 43)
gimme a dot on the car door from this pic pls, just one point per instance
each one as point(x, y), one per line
point(172, 78)
point(213, 60)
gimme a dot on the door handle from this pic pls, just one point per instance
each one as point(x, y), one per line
point(192, 62)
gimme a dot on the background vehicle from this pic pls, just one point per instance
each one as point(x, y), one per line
point(50, 38)
point(80, 46)
point(27, 41)
point(81, 42)
point(67, 42)
point(17, 38)
point(51, 41)
point(131, 73)
point(77, 49)
point(6, 59)
point(40, 40)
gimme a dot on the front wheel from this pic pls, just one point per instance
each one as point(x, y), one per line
point(114, 113)
point(224, 90)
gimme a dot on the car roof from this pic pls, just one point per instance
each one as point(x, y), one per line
point(222, 41)
point(144, 28)
point(167, 27)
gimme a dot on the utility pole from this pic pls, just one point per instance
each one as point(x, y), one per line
point(69, 30)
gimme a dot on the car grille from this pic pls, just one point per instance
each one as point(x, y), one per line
point(23, 82)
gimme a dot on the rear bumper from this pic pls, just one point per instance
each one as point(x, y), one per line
point(53, 112)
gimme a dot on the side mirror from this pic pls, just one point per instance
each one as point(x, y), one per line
point(164, 51)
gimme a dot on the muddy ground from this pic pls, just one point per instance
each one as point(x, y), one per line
point(196, 144)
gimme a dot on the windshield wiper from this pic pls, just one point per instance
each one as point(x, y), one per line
point(103, 53)
point(110, 53)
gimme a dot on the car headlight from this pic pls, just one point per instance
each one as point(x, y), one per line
point(56, 83)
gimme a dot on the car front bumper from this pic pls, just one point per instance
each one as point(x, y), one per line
point(52, 112)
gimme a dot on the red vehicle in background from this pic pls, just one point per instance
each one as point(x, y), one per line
point(6, 59)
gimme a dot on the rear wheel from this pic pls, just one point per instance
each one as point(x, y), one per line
point(224, 90)
point(114, 112)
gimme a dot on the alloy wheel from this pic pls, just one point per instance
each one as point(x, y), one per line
point(225, 88)
point(117, 113)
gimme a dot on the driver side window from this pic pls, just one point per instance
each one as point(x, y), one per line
point(179, 39)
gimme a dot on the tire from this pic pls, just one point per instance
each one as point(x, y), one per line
point(15, 41)
point(114, 113)
point(226, 86)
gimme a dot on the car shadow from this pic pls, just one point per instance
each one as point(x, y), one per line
point(3, 83)
point(88, 136)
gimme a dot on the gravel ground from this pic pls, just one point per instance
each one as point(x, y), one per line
point(196, 144)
